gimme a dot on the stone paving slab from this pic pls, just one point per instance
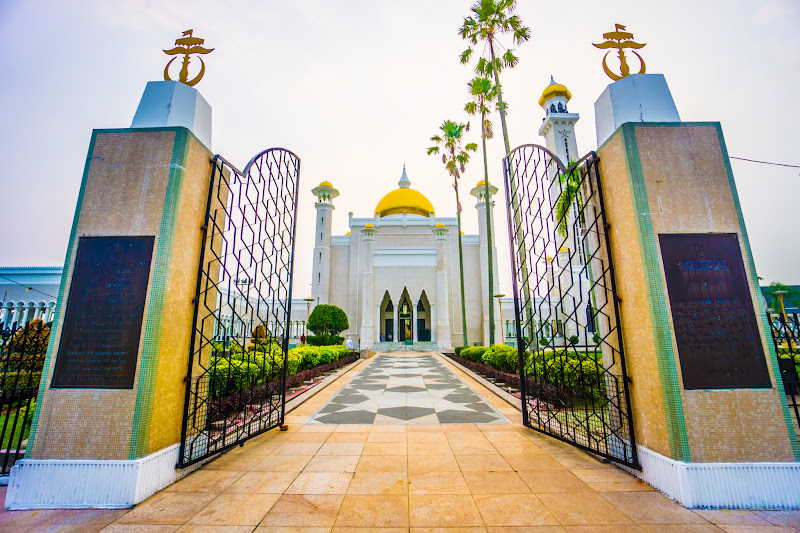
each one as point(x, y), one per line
point(406, 389)
point(412, 478)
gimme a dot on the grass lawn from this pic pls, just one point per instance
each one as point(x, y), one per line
point(10, 440)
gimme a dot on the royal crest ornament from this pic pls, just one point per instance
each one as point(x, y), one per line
point(620, 39)
point(187, 45)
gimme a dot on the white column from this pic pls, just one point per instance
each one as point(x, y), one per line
point(442, 315)
point(368, 290)
point(395, 324)
point(414, 321)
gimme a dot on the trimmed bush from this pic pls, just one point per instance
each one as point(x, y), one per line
point(501, 357)
point(246, 369)
point(473, 353)
point(324, 340)
point(327, 320)
point(458, 350)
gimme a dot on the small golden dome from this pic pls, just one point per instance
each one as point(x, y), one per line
point(369, 226)
point(404, 200)
point(325, 184)
point(439, 225)
point(554, 89)
point(482, 183)
point(346, 234)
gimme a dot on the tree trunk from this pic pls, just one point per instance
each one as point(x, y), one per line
point(489, 251)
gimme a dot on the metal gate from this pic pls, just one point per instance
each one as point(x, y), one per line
point(573, 380)
point(22, 354)
point(236, 379)
point(785, 330)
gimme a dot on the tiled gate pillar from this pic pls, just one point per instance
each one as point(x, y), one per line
point(711, 421)
point(110, 438)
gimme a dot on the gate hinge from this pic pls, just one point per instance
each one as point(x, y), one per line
point(607, 226)
point(628, 380)
point(186, 378)
point(194, 300)
point(204, 227)
point(618, 299)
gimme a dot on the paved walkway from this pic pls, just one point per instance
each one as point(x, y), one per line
point(401, 477)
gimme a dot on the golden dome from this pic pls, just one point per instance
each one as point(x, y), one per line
point(404, 200)
point(369, 226)
point(346, 234)
point(554, 89)
point(325, 184)
point(439, 225)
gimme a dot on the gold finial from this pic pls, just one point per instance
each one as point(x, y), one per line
point(187, 45)
point(620, 39)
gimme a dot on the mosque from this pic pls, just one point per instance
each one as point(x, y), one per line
point(396, 272)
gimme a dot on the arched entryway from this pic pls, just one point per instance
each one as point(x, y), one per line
point(387, 318)
point(405, 319)
point(424, 318)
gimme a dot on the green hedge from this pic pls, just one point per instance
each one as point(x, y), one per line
point(473, 353)
point(324, 340)
point(583, 375)
point(243, 369)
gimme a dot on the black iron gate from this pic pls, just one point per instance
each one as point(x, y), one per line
point(785, 330)
point(236, 380)
point(571, 359)
point(22, 354)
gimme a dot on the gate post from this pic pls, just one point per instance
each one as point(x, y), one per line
point(711, 421)
point(107, 426)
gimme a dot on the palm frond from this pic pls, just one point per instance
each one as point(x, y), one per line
point(466, 55)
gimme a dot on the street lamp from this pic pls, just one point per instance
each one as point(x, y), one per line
point(308, 310)
point(500, 305)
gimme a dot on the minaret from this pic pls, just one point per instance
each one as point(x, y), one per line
point(487, 298)
point(321, 262)
point(558, 127)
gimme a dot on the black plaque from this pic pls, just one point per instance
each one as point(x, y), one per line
point(719, 344)
point(103, 320)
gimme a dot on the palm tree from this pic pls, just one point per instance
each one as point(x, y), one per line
point(483, 92)
point(489, 20)
point(570, 184)
point(455, 159)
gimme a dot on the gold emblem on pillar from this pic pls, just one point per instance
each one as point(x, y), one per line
point(187, 45)
point(620, 39)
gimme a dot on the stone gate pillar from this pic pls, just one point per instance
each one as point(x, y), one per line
point(710, 415)
point(107, 425)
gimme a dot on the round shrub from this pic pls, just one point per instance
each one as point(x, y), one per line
point(327, 320)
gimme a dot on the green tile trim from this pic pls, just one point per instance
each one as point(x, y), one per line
point(659, 311)
point(756, 292)
point(55, 330)
point(159, 282)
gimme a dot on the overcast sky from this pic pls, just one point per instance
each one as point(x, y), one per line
point(356, 88)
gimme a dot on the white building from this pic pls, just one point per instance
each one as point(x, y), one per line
point(396, 272)
point(27, 293)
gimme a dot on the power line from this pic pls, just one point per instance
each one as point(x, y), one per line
point(28, 288)
point(765, 162)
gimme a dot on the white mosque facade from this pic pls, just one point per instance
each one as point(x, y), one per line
point(396, 273)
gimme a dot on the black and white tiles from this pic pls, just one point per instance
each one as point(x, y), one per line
point(406, 389)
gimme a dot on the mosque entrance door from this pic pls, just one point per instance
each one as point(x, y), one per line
point(563, 276)
point(405, 331)
point(242, 305)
